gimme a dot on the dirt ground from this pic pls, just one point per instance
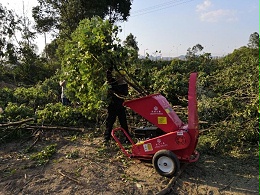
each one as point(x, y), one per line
point(80, 164)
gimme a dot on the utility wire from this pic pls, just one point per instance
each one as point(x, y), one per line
point(155, 6)
point(159, 7)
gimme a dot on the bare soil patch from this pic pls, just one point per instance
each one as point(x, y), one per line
point(82, 165)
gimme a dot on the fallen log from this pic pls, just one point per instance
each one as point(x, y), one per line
point(34, 126)
point(17, 123)
point(55, 128)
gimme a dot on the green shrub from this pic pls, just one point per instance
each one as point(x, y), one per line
point(37, 96)
point(6, 95)
point(15, 112)
point(58, 114)
point(45, 155)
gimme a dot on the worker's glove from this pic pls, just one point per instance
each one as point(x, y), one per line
point(122, 72)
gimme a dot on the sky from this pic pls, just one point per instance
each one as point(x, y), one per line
point(173, 26)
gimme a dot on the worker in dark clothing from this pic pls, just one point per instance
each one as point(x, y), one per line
point(118, 90)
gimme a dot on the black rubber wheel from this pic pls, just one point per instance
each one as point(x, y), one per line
point(166, 163)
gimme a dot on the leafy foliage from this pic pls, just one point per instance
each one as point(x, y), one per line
point(66, 15)
point(94, 48)
point(15, 112)
point(19, 62)
point(254, 40)
point(57, 114)
point(39, 95)
point(9, 24)
point(230, 103)
point(44, 156)
point(6, 95)
point(131, 42)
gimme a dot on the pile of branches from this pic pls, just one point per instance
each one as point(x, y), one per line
point(8, 130)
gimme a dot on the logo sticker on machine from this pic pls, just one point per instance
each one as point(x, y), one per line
point(148, 147)
point(156, 111)
point(160, 144)
point(162, 120)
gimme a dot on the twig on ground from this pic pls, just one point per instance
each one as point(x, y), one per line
point(171, 183)
point(69, 177)
point(225, 187)
point(38, 134)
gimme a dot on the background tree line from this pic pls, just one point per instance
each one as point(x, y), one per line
point(86, 44)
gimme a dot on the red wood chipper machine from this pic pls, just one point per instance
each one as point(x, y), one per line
point(178, 141)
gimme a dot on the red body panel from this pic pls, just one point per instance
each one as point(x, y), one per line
point(156, 109)
point(177, 140)
point(193, 124)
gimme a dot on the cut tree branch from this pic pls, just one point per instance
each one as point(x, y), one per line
point(55, 128)
point(17, 123)
point(33, 126)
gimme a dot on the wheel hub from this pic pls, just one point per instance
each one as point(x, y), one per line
point(165, 164)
